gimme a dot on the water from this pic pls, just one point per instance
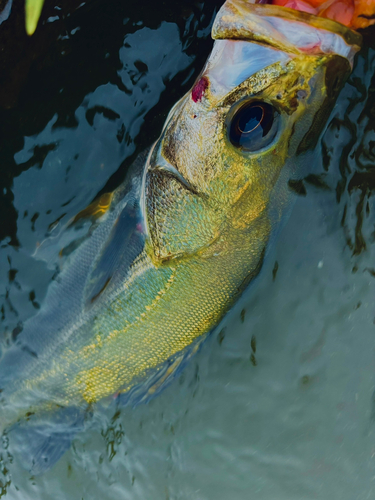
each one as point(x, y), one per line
point(279, 403)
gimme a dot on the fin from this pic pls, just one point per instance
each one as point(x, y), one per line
point(92, 213)
point(63, 238)
point(95, 210)
point(124, 244)
point(40, 443)
point(162, 378)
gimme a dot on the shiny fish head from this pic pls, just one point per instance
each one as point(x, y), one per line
point(257, 108)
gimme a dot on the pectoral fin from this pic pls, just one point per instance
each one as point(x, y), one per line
point(95, 210)
point(63, 238)
point(161, 378)
point(124, 244)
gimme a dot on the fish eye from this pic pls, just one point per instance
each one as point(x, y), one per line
point(252, 125)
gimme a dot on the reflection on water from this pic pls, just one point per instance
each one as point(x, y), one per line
point(279, 402)
point(86, 109)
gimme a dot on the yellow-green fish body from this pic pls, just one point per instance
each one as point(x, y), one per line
point(185, 235)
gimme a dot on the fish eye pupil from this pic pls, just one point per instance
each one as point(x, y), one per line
point(250, 119)
point(251, 127)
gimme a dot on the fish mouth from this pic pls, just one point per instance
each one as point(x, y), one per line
point(276, 35)
point(285, 29)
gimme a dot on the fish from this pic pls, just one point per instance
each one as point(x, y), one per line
point(171, 250)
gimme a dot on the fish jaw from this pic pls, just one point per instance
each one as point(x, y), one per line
point(286, 29)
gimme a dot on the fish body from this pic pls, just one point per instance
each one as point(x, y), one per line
point(178, 243)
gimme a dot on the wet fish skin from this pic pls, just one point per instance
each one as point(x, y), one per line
point(204, 242)
point(198, 220)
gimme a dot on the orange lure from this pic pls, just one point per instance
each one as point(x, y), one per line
point(352, 13)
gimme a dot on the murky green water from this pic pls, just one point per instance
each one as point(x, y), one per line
point(279, 403)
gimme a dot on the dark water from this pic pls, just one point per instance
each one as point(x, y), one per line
point(279, 404)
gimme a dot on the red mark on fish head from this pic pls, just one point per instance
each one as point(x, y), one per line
point(199, 89)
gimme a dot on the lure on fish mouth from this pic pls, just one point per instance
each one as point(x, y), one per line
point(175, 245)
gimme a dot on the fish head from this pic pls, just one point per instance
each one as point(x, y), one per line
point(229, 146)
